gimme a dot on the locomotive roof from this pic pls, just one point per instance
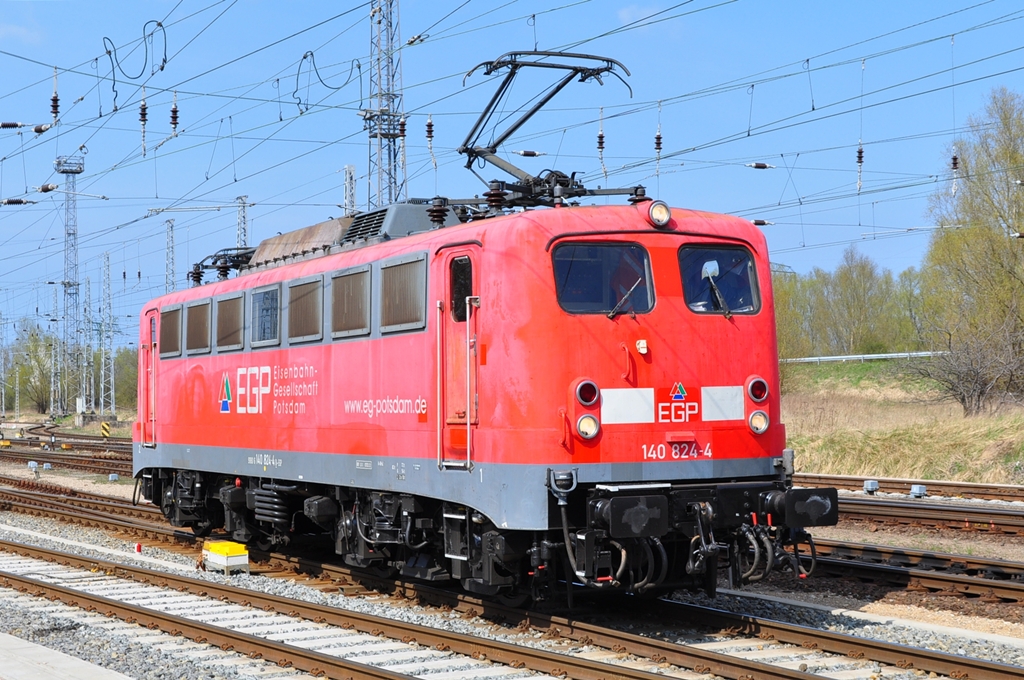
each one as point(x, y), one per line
point(405, 226)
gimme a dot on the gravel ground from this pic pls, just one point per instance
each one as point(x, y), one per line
point(1005, 620)
point(115, 652)
point(80, 481)
point(891, 631)
point(894, 632)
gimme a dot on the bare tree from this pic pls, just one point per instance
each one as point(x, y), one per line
point(978, 368)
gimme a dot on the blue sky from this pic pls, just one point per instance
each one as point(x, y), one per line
point(796, 85)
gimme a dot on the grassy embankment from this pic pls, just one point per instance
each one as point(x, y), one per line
point(864, 419)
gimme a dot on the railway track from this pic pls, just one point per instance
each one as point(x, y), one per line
point(997, 492)
point(940, 514)
point(994, 569)
point(58, 438)
point(30, 494)
point(120, 464)
point(798, 651)
point(958, 516)
point(763, 638)
point(79, 440)
point(992, 580)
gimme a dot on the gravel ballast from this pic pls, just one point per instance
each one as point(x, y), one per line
point(121, 654)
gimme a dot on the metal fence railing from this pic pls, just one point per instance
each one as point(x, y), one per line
point(862, 357)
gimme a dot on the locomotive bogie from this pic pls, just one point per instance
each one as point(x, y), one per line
point(574, 395)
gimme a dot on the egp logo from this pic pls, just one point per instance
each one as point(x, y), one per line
point(253, 383)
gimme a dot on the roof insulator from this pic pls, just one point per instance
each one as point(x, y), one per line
point(174, 115)
point(55, 100)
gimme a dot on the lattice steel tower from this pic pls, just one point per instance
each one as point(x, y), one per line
point(71, 167)
point(107, 403)
point(384, 118)
point(169, 270)
point(242, 233)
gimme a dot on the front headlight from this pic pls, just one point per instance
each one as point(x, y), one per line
point(659, 214)
point(758, 421)
point(588, 426)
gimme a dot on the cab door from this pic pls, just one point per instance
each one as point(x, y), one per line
point(458, 320)
point(148, 355)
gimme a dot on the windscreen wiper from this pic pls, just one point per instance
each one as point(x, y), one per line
point(616, 308)
point(719, 297)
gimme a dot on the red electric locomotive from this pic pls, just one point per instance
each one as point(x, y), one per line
point(520, 399)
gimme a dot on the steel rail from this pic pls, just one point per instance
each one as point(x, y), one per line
point(968, 565)
point(964, 517)
point(929, 661)
point(515, 656)
point(72, 435)
point(1002, 492)
point(12, 500)
point(991, 580)
point(202, 633)
point(987, 590)
point(690, 657)
point(80, 440)
point(68, 461)
point(103, 508)
point(660, 651)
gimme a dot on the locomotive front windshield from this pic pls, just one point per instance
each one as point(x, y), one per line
point(719, 280)
point(603, 279)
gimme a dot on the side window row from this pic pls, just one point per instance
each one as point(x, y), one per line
point(402, 307)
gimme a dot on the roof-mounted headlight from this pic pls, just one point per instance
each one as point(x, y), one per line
point(659, 214)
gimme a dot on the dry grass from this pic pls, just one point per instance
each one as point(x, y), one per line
point(122, 427)
point(864, 420)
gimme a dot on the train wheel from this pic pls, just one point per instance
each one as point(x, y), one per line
point(383, 570)
point(513, 599)
point(202, 529)
point(167, 504)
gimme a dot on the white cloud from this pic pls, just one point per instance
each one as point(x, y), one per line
point(628, 15)
point(19, 33)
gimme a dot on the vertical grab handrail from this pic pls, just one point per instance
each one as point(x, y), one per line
point(471, 301)
point(440, 377)
point(149, 437)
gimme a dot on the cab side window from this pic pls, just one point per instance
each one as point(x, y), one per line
point(461, 272)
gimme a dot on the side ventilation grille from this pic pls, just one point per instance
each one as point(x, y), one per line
point(365, 225)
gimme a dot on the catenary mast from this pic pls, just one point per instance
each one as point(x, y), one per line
point(384, 118)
